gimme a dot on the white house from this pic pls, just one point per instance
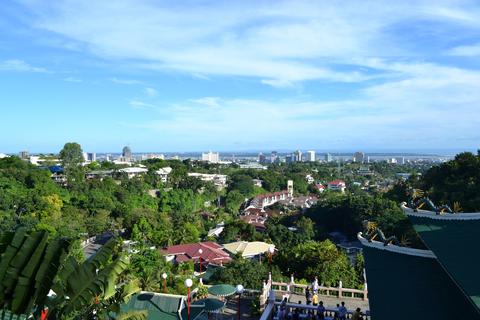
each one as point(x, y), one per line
point(163, 173)
point(337, 185)
point(134, 171)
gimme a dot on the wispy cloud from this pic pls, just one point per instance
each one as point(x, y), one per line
point(137, 104)
point(466, 51)
point(73, 79)
point(281, 43)
point(151, 92)
point(19, 65)
point(126, 81)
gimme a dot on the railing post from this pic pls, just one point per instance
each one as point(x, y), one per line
point(340, 285)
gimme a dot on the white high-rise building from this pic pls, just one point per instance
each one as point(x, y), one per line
point(212, 157)
point(297, 156)
point(328, 157)
point(311, 156)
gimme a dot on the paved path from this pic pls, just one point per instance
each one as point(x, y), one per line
point(351, 304)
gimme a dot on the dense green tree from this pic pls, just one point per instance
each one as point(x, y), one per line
point(323, 259)
point(249, 273)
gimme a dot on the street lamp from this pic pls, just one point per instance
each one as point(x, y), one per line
point(271, 250)
point(200, 251)
point(188, 284)
point(164, 276)
point(239, 292)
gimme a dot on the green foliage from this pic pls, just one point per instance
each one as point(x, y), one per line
point(234, 200)
point(28, 266)
point(455, 180)
point(322, 259)
point(346, 214)
point(248, 273)
point(71, 155)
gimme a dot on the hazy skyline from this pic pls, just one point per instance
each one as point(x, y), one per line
point(245, 75)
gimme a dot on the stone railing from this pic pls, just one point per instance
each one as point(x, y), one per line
point(339, 292)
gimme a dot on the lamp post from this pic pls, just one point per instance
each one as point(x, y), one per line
point(164, 276)
point(200, 251)
point(271, 250)
point(239, 292)
point(188, 284)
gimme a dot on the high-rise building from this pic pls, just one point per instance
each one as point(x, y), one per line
point(359, 157)
point(328, 157)
point(92, 156)
point(297, 156)
point(127, 153)
point(274, 157)
point(289, 158)
point(311, 156)
point(262, 158)
point(24, 155)
point(212, 157)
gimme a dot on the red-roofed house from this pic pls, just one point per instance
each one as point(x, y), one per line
point(337, 185)
point(211, 253)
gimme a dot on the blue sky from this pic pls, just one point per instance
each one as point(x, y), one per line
point(240, 75)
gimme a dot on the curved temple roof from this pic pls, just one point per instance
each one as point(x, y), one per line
point(407, 283)
point(454, 240)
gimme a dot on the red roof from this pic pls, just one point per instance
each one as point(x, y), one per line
point(336, 182)
point(212, 252)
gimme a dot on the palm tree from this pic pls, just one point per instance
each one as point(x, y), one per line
point(31, 265)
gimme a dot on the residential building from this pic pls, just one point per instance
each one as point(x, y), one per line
point(220, 180)
point(24, 155)
point(133, 171)
point(309, 179)
point(311, 156)
point(365, 171)
point(337, 185)
point(211, 253)
point(265, 200)
point(289, 158)
point(257, 182)
point(212, 157)
point(252, 165)
point(215, 232)
point(163, 173)
point(248, 250)
point(359, 157)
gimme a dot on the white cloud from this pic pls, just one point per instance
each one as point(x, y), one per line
point(207, 101)
point(281, 43)
point(466, 51)
point(151, 92)
point(19, 65)
point(126, 81)
point(137, 104)
point(72, 79)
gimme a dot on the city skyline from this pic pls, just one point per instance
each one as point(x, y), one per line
point(245, 76)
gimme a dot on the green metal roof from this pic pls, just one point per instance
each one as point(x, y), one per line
point(455, 243)
point(411, 286)
point(162, 306)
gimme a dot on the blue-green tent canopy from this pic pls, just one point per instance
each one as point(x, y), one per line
point(211, 304)
point(222, 290)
